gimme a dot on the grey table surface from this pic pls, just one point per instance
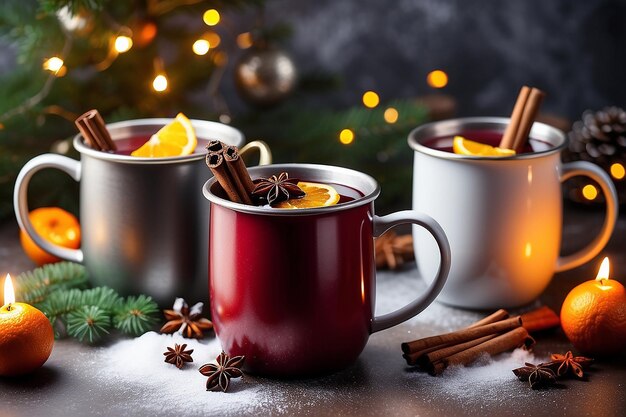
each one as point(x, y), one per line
point(379, 383)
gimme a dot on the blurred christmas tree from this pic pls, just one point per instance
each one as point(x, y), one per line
point(154, 58)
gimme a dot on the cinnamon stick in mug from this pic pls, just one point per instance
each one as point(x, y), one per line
point(510, 133)
point(238, 173)
point(215, 162)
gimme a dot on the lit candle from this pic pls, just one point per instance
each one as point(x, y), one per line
point(593, 315)
point(26, 335)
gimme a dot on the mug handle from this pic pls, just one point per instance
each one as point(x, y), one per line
point(381, 225)
point(594, 172)
point(20, 200)
point(265, 155)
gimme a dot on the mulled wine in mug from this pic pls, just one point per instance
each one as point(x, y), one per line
point(143, 222)
point(502, 215)
point(294, 289)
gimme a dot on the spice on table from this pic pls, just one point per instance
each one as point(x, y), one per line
point(187, 321)
point(493, 334)
point(178, 355)
point(569, 364)
point(537, 375)
point(219, 374)
point(392, 250)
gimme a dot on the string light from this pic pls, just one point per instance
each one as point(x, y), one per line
point(201, 47)
point(211, 17)
point(220, 59)
point(437, 79)
point(370, 99)
point(590, 192)
point(346, 136)
point(617, 171)
point(123, 43)
point(244, 40)
point(53, 64)
point(160, 83)
point(391, 115)
point(213, 39)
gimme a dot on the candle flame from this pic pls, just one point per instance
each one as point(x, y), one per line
point(9, 292)
point(603, 272)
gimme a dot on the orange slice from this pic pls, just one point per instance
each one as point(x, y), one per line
point(176, 138)
point(317, 195)
point(464, 146)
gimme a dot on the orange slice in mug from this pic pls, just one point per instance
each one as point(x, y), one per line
point(176, 138)
point(463, 146)
point(317, 195)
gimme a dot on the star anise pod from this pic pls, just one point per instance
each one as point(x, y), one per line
point(178, 355)
point(276, 189)
point(220, 374)
point(185, 320)
point(536, 375)
point(569, 364)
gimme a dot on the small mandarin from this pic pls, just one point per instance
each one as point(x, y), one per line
point(56, 226)
point(26, 339)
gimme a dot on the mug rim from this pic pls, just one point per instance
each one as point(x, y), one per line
point(340, 176)
point(124, 129)
point(539, 131)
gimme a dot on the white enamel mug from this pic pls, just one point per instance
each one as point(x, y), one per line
point(502, 216)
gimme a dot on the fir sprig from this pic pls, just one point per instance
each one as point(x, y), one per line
point(33, 286)
point(88, 323)
point(84, 314)
point(135, 314)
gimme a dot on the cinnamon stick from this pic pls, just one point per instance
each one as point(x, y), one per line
point(508, 138)
point(461, 336)
point(422, 356)
point(94, 131)
point(215, 162)
point(528, 118)
point(542, 318)
point(239, 173)
point(215, 146)
point(492, 318)
point(510, 340)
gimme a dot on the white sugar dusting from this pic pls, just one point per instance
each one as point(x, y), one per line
point(135, 369)
point(491, 378)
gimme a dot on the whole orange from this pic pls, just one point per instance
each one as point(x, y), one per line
point(26, 339)
point(593, 317)
point(55, 225)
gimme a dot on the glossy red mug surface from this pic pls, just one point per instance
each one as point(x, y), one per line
point(294, 290)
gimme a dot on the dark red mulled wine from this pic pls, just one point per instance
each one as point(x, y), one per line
point(127, 145)
point(346, 194)
point(444, 143)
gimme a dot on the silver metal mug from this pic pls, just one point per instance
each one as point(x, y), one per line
point(143, 221)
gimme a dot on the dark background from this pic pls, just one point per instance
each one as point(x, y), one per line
point(573, 49)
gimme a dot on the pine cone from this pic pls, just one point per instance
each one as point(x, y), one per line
point(600, 137)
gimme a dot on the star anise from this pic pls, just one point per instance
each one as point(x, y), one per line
point(569, 364)
point(185, 320)
point(276, 189)
point(178, 355)
point(220, 374)
point(536, 375)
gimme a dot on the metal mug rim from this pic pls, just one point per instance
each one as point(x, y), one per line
point(540, 131)
point(341, 172)
point(83, 149)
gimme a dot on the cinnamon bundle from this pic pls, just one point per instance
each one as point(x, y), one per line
point(493, 334)
point(522, 118)
point(91, 125)
point(230, 171)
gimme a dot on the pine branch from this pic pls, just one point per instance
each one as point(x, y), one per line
point(88, 323)
point(33, 286)
point(136, 315)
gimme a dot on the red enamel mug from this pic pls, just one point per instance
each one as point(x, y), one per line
point(294, 290)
